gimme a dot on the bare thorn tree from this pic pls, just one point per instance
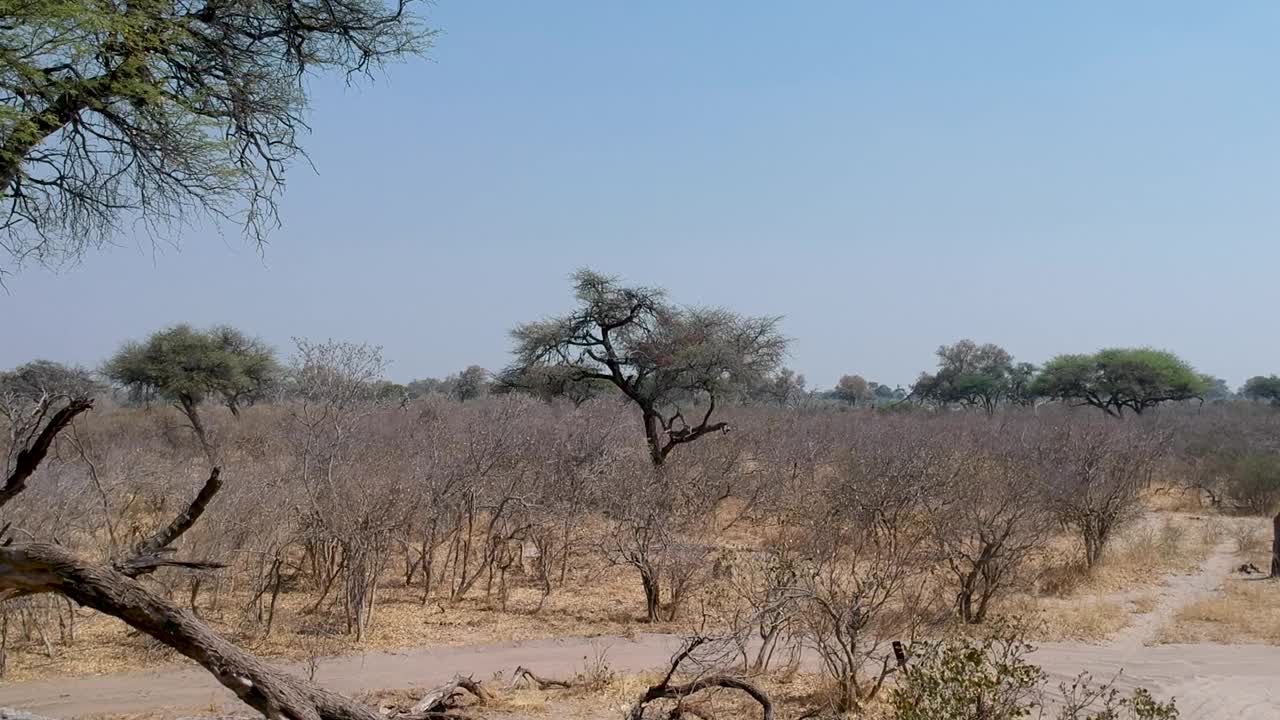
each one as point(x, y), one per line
point(664, 359)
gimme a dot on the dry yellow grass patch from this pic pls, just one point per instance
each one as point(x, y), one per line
point(1065, 600)
point(1246, 611)
point(1139, 556)
point(1082, 619)
point(1143, 604)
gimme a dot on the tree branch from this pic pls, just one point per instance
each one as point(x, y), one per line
point(30, 458)
point(159, 543)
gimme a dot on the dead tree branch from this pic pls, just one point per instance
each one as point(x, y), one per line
point(523, 673)
point(666, 690)
point(30, 458)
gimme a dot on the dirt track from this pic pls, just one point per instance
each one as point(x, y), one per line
point(1210, 682)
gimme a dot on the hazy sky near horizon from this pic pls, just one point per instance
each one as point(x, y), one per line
point(887, 176)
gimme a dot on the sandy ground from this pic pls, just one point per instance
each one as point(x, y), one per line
point(1210, 682)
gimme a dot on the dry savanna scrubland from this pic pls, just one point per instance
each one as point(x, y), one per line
point(803, 533)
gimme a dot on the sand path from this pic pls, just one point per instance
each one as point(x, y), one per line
point(1210, 682)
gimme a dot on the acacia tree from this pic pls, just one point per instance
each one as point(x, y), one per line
point(663, 358)
point(970, 374)
point(161, 111)
point(1119, 379)
point(187, 366)
point(1262, 388)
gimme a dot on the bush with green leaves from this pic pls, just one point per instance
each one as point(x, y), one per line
point(990, 678)
point(1253, 481)
point(968, 678)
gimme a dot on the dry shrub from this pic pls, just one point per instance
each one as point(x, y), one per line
point(596, 674)
point(1250, 539)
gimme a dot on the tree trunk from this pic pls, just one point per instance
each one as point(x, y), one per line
point(653, 435)
point(652, 594)
point(188, 407)
point(1275, 546)
point(41, 567)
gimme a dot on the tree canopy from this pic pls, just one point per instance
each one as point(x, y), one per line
point(1259, 387)
point(1117, 379)
point(161, 111)
point(853, 389)
point(973, 375)
point(663, 358)
point(188, 366)
point(45, 379)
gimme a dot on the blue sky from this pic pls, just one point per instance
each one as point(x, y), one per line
point(887, 176)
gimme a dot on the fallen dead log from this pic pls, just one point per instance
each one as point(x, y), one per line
point(442, 703)
point(523, 674)
point(666, 690)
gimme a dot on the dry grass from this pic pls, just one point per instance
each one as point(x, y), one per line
point(1066, 601)
point(1059, 596)
point(1246, 611)
point(611, 604)
point(1143, 604)
point(1090, 619)
point(1172, 496)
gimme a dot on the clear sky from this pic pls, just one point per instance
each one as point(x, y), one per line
point(888, 176)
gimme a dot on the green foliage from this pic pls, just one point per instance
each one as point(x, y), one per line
point(1217, 390)
point(1117, 379)
point(1084, 700)
point(188, 366)
point(157, 110)
point(969, 679)
point(1253, 480)
point(471, 383)
point(989, 678)
point(974, 375)
point(1262, 388)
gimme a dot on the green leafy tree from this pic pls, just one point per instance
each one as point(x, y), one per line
point(968, 374)
point(1119, 379)
point(187, 367)
point(161, 111)
point(469, 384)
point(883, 394)
point(1262, 388)
point(1218, 390)
point(665, 359)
